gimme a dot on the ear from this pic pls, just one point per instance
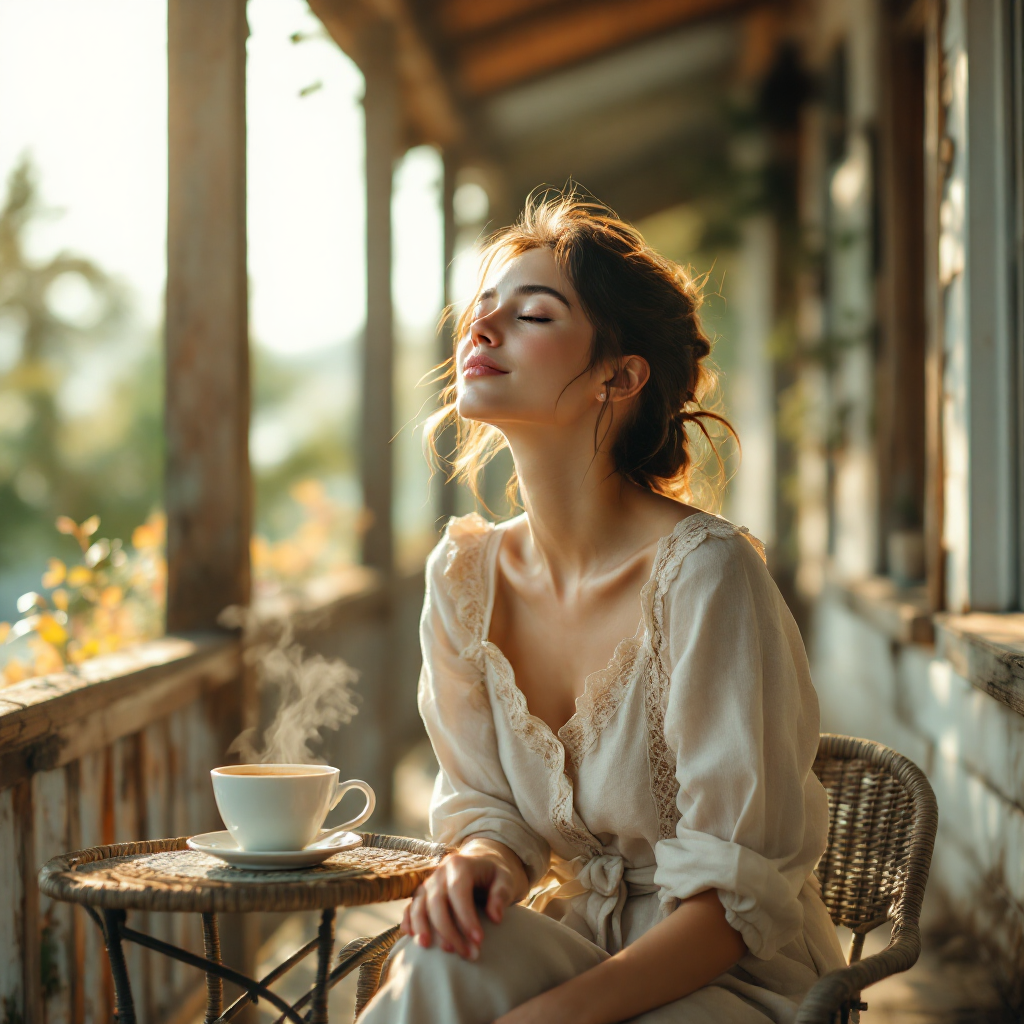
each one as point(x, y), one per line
point(628, 380)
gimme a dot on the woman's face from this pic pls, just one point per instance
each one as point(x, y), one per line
point(522, 360)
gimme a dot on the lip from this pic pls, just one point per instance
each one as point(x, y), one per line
point(479, 365)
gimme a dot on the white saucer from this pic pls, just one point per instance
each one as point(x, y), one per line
point(222, 845)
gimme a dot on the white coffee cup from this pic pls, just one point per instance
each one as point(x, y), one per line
point(278, 807)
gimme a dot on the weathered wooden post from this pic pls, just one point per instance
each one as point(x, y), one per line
point(208, 492)
point(381, 105)
point(447, 491)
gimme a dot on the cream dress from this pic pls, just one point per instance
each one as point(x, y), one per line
point(686, 767)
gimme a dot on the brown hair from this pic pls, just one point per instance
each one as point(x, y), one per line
point(639, 303)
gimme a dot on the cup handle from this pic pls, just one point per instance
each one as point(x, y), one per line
point(343, 788)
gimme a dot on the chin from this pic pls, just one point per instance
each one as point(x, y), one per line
point(473, 409)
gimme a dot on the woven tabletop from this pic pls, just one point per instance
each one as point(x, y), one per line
point(164, 874)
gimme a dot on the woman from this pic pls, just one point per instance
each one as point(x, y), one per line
point(650, 797)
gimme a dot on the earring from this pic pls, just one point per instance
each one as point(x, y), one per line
point(601, 397)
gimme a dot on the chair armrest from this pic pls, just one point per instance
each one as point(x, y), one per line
point(842, 987)
point(371, 957)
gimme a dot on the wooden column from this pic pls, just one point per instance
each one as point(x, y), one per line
point(208, 491)
point(208, 487)
point(381, 106)
point(935, 166)
point(900, 419)
point(447, 490)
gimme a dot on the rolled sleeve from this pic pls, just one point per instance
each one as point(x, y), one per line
point(741, 718)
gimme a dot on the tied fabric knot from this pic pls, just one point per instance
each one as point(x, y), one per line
point(599, 893)
point(603, 874)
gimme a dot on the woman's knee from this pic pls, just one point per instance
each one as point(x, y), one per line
point(523, 956)
point(524, 940)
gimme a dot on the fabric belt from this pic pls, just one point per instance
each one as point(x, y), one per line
point(599, 892)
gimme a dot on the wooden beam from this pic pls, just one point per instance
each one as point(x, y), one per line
point(430, 113)
point(568, 35)
point(463, 17)
point(377, 46)
point(208, 489)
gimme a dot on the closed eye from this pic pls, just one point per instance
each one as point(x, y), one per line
point(536, 319)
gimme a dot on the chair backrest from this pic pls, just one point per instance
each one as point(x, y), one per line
point(882, 821)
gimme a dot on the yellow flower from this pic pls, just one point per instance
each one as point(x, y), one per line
point(79, 576)
point(151, 533)
point(47, 657)
point(51, 631)
point(308, 492)
point(55, 574)
point(111, 597)
point(79, 652)
point(60, 599)
point(5, 631)
point(65, 524)
point(259, 551)
point(15, 671)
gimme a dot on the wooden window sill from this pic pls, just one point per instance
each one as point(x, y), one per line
point(988, 650)
point(901, 613)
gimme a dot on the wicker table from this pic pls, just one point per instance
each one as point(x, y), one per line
point(164, 875)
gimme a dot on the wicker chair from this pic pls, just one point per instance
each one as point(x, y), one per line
point(882, 820)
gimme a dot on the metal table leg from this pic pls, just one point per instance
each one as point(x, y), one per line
point(214, 985)
point(318, 1011)
point(113, 920)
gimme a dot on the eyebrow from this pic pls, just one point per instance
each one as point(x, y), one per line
point(530, 289)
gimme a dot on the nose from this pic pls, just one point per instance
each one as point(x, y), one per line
point(483, 330)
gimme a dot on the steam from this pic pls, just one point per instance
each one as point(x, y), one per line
point(314, 693)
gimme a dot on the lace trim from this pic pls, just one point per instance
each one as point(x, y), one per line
point(602, 695)
point(465, 573)
point(689, 534)
point(538, 737)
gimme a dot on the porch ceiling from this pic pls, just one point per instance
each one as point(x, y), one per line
point(612, 93)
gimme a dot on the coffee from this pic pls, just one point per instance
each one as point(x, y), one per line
point(280, 807)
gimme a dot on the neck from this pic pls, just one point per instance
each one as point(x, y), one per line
point(576, 504)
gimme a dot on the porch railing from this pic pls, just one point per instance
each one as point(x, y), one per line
point(121, 750)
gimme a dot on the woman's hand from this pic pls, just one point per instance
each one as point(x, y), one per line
point(445, 903)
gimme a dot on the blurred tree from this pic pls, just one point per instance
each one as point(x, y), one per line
point(65, 321)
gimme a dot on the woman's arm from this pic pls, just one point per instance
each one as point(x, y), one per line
point(690, 948)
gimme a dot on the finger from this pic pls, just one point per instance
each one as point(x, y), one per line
point(441, 920)
point(406, 926)
point(460, 895)
point(498, 898)
point(420, 920)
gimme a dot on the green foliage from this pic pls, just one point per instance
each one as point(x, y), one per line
point(53, 459)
